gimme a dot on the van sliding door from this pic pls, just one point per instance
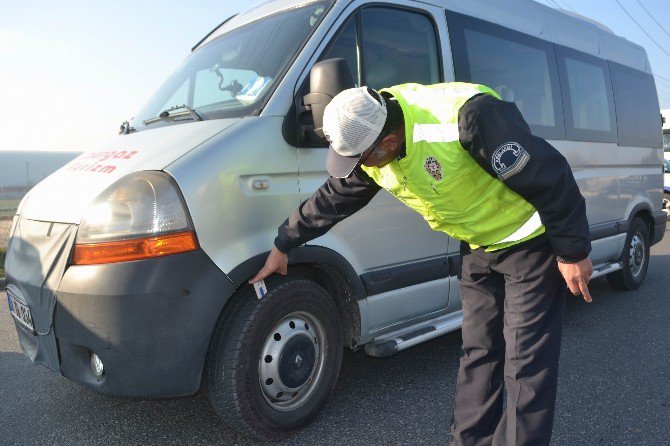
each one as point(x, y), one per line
point(564, 95)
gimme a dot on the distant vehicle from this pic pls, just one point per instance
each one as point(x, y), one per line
point(127, 269)
point(666, 188)
point(666, 154)
point(666, 130)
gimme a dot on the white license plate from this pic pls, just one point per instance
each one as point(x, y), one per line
point(20, 312)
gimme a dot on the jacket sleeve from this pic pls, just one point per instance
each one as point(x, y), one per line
point(499, 139)
point(331, 203)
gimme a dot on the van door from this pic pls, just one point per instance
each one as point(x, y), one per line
point(387, 242)
point(565, 96)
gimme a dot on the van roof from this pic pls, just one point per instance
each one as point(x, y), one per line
point(256, 12)
point(526, 16)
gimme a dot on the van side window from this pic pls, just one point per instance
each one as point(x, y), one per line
point(345, 45)
point(637, 110)
point(521, 68)
point(398, 46)
point(383, 47)
point(587, 97)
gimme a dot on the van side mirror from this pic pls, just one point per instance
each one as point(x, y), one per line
point(326, 79)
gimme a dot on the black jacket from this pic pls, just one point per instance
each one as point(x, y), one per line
point(488, 129)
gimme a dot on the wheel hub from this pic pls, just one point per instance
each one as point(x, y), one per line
point(636, 255)
point(297, 361)
point(291, 362)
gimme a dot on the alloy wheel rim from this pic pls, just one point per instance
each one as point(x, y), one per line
point(291, 364)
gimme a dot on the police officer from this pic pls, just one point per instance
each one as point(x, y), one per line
point(468, 163)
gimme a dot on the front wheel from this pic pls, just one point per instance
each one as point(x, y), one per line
point(273, 363)
point(635, 258)
point(666, 203)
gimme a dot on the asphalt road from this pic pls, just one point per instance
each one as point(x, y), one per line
point(614, 388)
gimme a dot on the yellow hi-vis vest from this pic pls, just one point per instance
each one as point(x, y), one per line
point(441, 181)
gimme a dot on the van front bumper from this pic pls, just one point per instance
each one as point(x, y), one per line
point(149, 321)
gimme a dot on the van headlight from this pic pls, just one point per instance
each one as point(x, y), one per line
point(142, 215)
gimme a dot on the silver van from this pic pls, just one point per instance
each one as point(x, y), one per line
point(127, 269)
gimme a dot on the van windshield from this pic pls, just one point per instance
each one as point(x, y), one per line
point(232, 75)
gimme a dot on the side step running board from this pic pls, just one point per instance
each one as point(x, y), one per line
point(397, 341)
point(392, 343)
point(606, 269)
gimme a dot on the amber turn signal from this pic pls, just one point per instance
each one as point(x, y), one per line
point(136, 249)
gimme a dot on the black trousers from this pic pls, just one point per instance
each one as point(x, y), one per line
point(513, 305)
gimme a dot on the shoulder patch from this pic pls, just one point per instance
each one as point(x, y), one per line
point(509, 159)
point(433, 167)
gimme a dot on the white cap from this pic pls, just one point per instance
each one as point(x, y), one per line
point(352, 122)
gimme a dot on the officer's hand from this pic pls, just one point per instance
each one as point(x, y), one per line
point(577, 277)
point(277, 262)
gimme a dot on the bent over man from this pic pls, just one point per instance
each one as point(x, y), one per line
point(468, 163)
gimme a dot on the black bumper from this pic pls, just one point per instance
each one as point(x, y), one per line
point(149, 321)
point(660, 221)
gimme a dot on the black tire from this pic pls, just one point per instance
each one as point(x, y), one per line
point(635, 258)
point(238, 376)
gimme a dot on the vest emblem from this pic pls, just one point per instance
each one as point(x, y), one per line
point(433, 167)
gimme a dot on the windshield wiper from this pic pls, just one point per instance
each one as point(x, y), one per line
point(165, 115)
point(126, 129)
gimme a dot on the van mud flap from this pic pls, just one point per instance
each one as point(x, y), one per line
point(37, 256)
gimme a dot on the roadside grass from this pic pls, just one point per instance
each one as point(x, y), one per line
point(8, 207)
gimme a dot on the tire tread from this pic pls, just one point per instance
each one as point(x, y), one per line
point(235, 324)
point(623, 279)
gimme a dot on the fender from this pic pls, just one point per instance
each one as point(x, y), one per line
point(657, 222)
point(304, 254)
point(625, 224)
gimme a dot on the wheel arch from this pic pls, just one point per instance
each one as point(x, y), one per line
point(642, 210)
point(328, 269)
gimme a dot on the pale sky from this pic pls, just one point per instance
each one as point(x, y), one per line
point(72, 71)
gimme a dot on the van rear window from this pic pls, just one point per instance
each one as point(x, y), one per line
point(588, 102)
point(588, 94)
point(521, 68)
point(637, 110)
